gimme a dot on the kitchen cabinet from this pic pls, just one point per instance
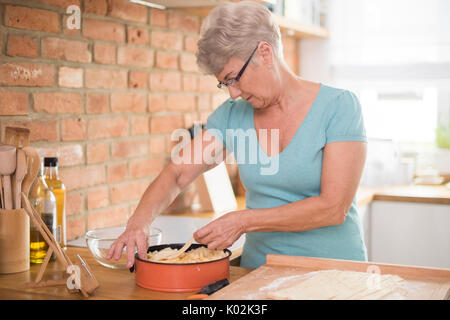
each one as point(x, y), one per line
point(410, 233)
point(364, 217)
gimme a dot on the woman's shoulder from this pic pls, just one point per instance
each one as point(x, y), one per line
point(333, 94)
point(231, 113)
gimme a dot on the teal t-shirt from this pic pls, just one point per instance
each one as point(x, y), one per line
point(294, 174)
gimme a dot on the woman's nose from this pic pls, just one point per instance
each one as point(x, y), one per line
point(234, 92)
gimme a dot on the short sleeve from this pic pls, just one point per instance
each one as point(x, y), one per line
point(219, 121)
point(346, 119)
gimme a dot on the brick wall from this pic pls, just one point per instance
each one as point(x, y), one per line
point(104, 98)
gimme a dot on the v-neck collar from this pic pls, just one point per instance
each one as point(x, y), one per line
point(308, 115)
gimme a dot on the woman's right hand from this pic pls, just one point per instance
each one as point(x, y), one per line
point(135, 235)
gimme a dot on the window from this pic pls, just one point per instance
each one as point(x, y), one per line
point(401, 115)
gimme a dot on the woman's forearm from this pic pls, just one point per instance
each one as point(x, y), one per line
point(157, 197)
point(302, 215)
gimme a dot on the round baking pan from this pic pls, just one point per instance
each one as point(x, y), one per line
point(177, 277)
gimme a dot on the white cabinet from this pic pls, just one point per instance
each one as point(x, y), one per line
point(410, 233)
point(364, 217)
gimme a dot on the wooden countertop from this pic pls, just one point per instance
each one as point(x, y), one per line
point(114, 284)
point(431, 194)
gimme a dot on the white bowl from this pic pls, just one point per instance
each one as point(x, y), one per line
point(99, 241)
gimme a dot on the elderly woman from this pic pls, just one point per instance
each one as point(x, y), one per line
point(306, 206)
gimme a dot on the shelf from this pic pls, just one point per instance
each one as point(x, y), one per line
point(287, 26)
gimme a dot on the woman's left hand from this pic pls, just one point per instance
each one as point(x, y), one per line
point(222, 232)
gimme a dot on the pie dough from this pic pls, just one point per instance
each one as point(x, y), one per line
point(341, 285)
point(201, 254)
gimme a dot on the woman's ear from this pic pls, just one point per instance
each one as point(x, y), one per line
point(265, 53)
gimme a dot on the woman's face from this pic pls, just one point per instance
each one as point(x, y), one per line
point(257, 84)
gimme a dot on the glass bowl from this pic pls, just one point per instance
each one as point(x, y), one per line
point(99, 241)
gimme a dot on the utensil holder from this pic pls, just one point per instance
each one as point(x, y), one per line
point(14, 241)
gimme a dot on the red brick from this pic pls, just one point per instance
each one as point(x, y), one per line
point(166, 40)
point(131, 56)
point(219, 98)
point(73, 129)
point(97, 152)
point(156, 102)
point(165, 81)
point(70, 77)
point(127, 192)
point(116, 172)
point(67, 154)
point(66, 25)
point(71, 50)
point(129, 148)
point(103, 30)
point(13, 103)
point(57, 102)
point(32, 19)
point(181, 102)
point(40, 130)
point(99, 7)
point(188, 62)
point(106, 78)
point(124, 10)
point(81, 177)
point(75, 228)
point(60, 3)
point(105, 218)
point(26, 74)
point(137, 35)
point(180, 21)
point(104, 53)
point(207, 84)
point(97, 198)
point(158, 145)
point(190, 118)
point(190, 44)
point(204, 102)
point(147, 167)
point(140, 125)
point(158, 17)
point(74, 203)
point(166, 60)
point(166, 124)
point(97, 103)
point(107, 128)
point(190, 82)
point(22, 46)
point(128, 102)
point(138, 79)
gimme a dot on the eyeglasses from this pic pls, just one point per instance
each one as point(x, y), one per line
point(232, 82)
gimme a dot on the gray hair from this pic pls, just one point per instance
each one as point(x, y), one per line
point(234, 30)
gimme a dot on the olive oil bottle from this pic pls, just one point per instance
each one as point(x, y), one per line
point(44, 202)
point(59, 190)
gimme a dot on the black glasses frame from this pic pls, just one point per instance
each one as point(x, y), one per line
point(231, 81)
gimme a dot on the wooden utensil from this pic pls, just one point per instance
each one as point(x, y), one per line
point(87, 283)
point(7, 168)
point(2, 205)
point(45, 232)
point(19, 175)
point(163, 255)
point(18, 137)
point(33, 163)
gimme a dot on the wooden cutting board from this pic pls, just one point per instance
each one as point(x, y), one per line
point(280, 270)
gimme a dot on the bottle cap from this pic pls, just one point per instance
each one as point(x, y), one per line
point(50, 162)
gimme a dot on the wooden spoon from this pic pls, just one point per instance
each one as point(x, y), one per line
point(33, 163)
point(164, 255)
point(21, 171)
point(7, 168)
